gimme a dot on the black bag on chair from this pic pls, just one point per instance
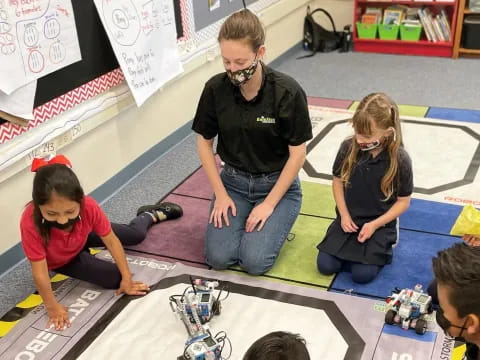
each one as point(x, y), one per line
point(316, 37)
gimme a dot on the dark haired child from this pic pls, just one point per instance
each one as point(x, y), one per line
point(457, 275)
point(61, 223)
point(278, 345)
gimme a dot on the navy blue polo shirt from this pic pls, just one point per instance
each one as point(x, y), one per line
point(254, 135)
point(363, 194)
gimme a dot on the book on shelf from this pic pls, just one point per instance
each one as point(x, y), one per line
point(370, 19)
point(392, 17)
point(372, 15)
point(436, 27)
point(411, 17)
point(444, 25)
point(445, 22)
point(438, 31)
point(411, 14)
point(425, 24)
point(374, 10)
point(411, 23)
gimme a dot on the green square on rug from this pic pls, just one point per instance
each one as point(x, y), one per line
point(406, 110)
point(317, 200)
point(297, 261)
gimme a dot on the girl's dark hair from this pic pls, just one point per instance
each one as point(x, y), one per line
point(278, 345)
point(55, 177)
point(243, 25)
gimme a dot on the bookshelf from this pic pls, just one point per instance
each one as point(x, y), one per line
point(421, 47)
point(457, 46)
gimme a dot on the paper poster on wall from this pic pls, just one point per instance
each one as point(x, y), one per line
point(37, 37)
point(19, 102)
point(144, 39)
point(213, 4)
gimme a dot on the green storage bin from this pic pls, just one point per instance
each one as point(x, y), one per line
point(366, 31)
point(388, 32)
point(410, 33)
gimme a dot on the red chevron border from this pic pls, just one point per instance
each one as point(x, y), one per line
point(183, 13)
point(76, 96)
point(63, 103)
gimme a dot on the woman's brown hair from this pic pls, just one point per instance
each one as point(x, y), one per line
point(379, 110)
point(243, 25)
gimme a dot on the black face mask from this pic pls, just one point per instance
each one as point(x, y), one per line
point(57, 225)
point(445, 324)
point(240, 77)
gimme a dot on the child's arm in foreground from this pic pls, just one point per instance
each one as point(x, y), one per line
point(57, 313)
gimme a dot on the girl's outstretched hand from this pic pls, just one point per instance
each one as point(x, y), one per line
point(471, 240)
point(131, 287)
point(367, 231)
point(58, 317)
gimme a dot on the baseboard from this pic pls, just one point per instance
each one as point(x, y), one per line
point(287, 54)
point(10, 258)
point(111, 186)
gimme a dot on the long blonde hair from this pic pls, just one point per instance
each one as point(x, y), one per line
point(379, 110)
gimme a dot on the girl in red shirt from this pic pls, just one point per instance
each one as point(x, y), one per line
point(61, 223)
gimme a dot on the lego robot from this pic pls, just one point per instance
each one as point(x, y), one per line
point(195, 308)
point(408, 308)
point(201, 345)
point(201, 298)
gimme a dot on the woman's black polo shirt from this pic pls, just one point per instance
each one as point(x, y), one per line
point(363, 195)
point(254, 135)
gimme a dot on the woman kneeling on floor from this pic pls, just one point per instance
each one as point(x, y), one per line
point(261, 118)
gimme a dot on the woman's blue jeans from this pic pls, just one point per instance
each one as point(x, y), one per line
point(254, 251)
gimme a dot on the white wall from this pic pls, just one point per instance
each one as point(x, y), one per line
point(341, 11)
point(101, 153)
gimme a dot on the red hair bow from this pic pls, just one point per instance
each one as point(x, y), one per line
point(37, 163)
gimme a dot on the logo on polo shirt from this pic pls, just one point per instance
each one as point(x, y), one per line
point(266, 120)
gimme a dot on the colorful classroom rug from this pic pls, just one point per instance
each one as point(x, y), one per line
point(445, 154)
point(335, 326)
point(30, 339)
